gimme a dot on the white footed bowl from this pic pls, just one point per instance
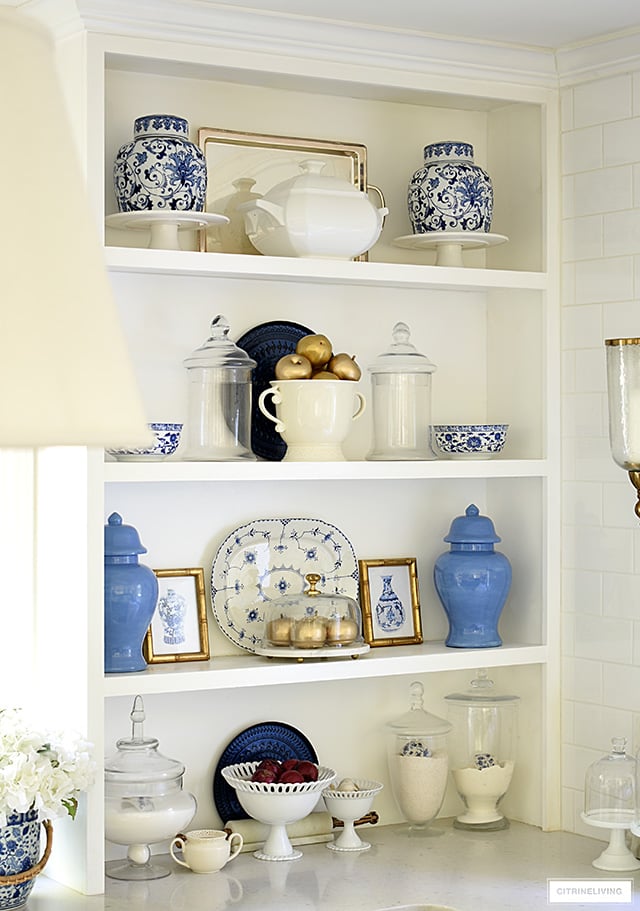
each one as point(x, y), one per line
point(349, 806)
point(276, 805)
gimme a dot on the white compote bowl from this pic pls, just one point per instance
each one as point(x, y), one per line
point(276, 805)
point(349, 806)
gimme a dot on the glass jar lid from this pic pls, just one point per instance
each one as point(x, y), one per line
point(219, 350)
point(481, 691)
point(402, 356)
point(137, 760)
point(417, 720)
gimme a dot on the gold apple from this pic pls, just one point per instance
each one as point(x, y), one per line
point(323, 375)
point(279, 630)
point(310, 632)
point(344, 366)
point(341, 631)
point(316, 348)
point(293, 367)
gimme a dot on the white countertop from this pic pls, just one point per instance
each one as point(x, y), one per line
point(461, 870)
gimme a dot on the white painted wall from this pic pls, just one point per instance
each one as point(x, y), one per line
point(601, 535)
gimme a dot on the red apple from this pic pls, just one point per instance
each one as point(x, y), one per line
point(308, 770)
point(272, 764)
point(291, 777)
point(266, 775)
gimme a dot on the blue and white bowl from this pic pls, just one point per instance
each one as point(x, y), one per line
point(468, 441)
point(167, 440)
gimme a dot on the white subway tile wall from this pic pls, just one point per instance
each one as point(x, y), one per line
point(601, 535)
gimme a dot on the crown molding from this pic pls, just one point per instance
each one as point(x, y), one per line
point(210, 24)
point(218, 25)
point(607, 56)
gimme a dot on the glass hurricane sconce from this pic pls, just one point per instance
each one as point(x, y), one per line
point(623, 384)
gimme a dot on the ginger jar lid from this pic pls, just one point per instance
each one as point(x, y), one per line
point(402, 356)
point(417, 720)
point(121, 540)
point(219, 350)
point(472, 528)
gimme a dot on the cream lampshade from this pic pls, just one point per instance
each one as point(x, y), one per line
point(65, 375)
point(623, 385)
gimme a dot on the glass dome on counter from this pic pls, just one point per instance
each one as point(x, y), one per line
point(144, 801)
point(418, 763)
point(610, 802)
point(312, 624)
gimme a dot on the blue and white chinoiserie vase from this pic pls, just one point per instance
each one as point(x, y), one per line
point(20, 860)
point(472, 580)
point(172, 608)
point(390, 612)
point(449, 192)
point(160, 169)
point(130, 598)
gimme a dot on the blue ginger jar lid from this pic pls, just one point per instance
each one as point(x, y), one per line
point(121, 540)
point(472, 528)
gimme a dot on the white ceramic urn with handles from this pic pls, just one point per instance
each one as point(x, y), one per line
point(314, 214)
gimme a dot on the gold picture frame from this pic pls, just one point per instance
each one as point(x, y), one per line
point(180, 631)
point(390, 601)
point(262, 161)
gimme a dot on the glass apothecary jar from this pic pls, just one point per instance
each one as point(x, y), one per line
point(418, 763)
point(401, 401)
point(312, 622)
point(144, 801)
point(482, 750)
point(219, 399)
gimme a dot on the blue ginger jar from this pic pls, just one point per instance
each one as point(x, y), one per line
point(450, 192)
point(130, 598)
point(472, 580)
point(160, 168)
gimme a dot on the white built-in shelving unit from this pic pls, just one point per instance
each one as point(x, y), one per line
point(491, 328)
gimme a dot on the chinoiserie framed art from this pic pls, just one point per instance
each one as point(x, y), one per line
point(241, 166)
point(390, 601)
point(179, 629)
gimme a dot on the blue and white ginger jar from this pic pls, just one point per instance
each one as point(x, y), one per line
point(161, 168)
point(450, 192)
point(472, 580)
point(19, 853)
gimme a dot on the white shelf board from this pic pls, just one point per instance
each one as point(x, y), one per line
point(177, 471)
point(251, 670)
point(318, 271)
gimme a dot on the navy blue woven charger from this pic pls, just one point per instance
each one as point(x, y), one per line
point(266, 344)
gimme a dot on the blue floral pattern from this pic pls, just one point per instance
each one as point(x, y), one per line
point(450, 192)
point(19, 851)
point(469, 439)
point(160, 169)
point(267, 559)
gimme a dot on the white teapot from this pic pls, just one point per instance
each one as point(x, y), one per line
point(314, 215)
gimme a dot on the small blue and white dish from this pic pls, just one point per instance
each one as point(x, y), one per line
point(468, 441)
point(167, 440)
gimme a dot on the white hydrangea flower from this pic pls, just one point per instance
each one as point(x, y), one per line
point(42, 770)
